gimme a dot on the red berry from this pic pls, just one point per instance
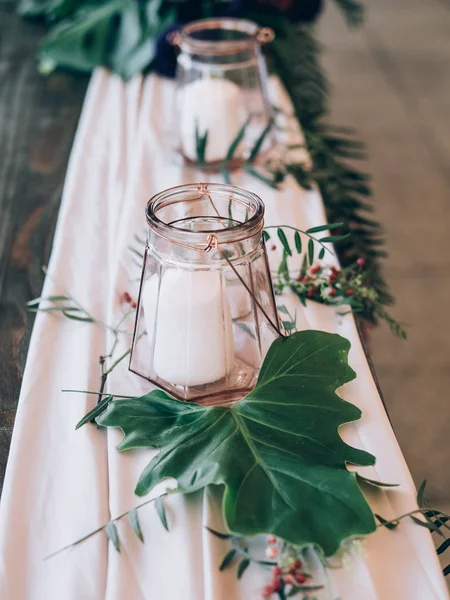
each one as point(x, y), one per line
point(298, 564)
point(332, 292)
point(267, 591)
point(126, 297)
point(277, 571)
point(314, 270)
point(310, 293)
point(271, 539)
point(300, 578)
point(273, 247)
point(288, 579)
point(275, 585)
point(349, 292)
point(360, 262)
point(133, 304)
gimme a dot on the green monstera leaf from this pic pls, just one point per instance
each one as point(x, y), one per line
point(277, 452)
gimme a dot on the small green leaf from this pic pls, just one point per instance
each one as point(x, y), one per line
point(259, 142)
point(374, 482)
point(443, 547)
point(332, 239)
point(161, 510)
point(111, 532)
point(245, 562)
point(421, 493)
point(47, 299)
point(321, 253)
point(227, 559)
point(220, 535)
point(326, 227)
point(266, 235)
point(298, 242)
point(446, 571)
point(388, 524)
point(237, 140)
point(311, 251)
point(283, 239)
point(133, 520)
point(55, 309)
point(254, 173)
point(427, 524)
point(283, 309)
point(289, 325)
point(75, 318)
point(95, 412)
point(225, 174)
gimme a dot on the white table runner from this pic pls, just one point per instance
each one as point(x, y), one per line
point(61, 483)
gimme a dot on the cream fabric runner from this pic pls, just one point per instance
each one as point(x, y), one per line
point(61, 483)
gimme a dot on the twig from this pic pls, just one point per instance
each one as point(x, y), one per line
point(86, 537)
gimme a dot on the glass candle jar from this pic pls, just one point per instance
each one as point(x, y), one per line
point(206, 313)
point(221, 90)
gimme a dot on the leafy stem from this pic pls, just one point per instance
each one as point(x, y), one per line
point(102, 527)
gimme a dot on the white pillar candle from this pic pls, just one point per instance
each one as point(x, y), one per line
point(194, 332)
point(215, 106)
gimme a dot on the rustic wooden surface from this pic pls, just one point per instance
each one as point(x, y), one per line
point(38, 117)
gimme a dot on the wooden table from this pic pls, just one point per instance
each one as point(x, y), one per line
point(38, 117)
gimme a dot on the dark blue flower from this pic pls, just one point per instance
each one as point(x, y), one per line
point(165, 60)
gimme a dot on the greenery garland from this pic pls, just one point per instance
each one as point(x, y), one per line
point(128, 37)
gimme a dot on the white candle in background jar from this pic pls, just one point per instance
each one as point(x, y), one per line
point(194, 331)
point(215, 106)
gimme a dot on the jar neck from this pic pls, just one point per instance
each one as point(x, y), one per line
point(222, 36)
point(199, 218)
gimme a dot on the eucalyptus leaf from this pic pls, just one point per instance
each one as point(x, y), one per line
point(95, 412)
point(283, 239)
point(68, 314)
point(443, 547)
point(374, 482)
point(133, 520)
point(277, 452)
point(254, 173)
point(298, 242)
point(219, 534)
point(388, 524)
point(259, 142)
point(427, 524)
point(311, 251)
point(326, 227)
point(266, 235)
point(421, 493)
point(237, 140)
point(243, 566)
point(228, 559)
point(321, 253)
point(446, 571)
point(332, 239)
point(111, 532)
point(47, 299)
point(161, 510)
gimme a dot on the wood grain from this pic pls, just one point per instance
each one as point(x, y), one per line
point(38, 117)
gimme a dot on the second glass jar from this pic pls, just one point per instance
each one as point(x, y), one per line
point(221, 96)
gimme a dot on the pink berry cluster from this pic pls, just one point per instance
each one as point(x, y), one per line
point(129, 300)
point(289, 574)
point(325, 282)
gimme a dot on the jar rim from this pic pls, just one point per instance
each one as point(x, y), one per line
point(202, 239)
point(256, 36)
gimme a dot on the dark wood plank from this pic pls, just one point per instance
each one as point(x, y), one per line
point(38, 117)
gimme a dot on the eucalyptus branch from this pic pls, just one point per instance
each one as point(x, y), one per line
point(102, 527)
point(320, 241)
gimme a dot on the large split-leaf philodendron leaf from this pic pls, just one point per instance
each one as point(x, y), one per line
point(277, 452)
